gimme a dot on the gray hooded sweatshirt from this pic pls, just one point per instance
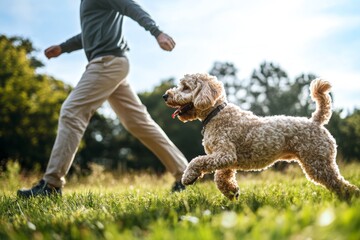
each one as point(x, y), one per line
point(101, 27)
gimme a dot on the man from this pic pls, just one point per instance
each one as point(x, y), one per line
point(104, 79)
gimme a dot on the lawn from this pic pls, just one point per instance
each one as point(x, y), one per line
point(272, 205)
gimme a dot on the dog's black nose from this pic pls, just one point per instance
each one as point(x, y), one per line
point(165, 96)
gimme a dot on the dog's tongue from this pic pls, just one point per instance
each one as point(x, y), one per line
point(176, 113)
point(182, 109)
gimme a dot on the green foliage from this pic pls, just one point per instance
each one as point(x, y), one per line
point(275, 94)
point(29, 105)
point(11, 174)
point(272, 205)
point(347, 133)
point(269, 90)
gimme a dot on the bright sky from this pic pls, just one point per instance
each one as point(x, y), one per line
point(302, 36)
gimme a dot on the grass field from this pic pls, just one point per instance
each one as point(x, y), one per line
point(272, 205)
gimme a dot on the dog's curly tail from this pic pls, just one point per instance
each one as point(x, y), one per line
point(319, 90)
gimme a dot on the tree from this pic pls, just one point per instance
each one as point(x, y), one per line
point(29, 105)
point(346, 131)
point(269, 90)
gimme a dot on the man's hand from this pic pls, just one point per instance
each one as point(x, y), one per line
point(53, 51)
point(165, 42)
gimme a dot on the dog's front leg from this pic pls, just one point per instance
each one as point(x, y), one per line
point(193, 171)
point(205, 164)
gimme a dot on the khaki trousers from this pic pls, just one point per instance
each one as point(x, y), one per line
point(105, 79)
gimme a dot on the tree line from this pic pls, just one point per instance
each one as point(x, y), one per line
point(30, 105)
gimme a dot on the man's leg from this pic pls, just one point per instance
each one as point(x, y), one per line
point(138, 122)
point(101, 78)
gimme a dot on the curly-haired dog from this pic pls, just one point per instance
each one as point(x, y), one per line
point(235, 139)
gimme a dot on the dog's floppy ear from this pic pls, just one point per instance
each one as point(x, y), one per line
point(210, 91)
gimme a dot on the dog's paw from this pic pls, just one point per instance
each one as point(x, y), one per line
point(189, 181)
point(233, 195)
point(190, 177)
point(236, 195)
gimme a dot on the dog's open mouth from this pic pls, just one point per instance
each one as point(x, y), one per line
point(182, 109)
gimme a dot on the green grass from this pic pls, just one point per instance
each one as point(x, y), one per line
point(272, 205)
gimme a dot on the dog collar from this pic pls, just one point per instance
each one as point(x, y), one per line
point(212, 114)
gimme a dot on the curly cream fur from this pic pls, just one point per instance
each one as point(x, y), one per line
point(239, 140)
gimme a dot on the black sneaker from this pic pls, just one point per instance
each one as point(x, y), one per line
point(177, 187)
point(41, 189)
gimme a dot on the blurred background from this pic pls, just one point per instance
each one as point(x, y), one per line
point(265, 52)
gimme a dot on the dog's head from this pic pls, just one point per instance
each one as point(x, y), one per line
point(195, 96)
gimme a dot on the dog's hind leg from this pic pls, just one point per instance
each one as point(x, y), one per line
point(225, 180)
point(320, 169)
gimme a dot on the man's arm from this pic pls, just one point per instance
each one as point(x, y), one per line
point(72, 44)
point(134, 11)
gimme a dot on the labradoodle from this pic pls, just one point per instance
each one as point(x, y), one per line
point(235, 139)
